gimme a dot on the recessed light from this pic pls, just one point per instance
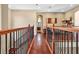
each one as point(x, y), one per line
point(50, 7)
point(36, 4)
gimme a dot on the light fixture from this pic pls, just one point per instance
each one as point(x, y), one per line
point(50, 7)
point(37, 7)
point(36, 4)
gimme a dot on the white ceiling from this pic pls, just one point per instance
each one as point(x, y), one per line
point(43, 7)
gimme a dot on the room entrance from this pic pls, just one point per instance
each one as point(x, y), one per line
point(39, 23)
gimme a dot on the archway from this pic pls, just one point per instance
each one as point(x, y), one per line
point(39, 22)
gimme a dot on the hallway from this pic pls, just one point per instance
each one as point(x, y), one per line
point(39, 45)
point(39, 29)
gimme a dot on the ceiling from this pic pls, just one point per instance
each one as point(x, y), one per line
point(43, 7)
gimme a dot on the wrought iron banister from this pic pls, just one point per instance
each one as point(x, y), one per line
point(15, 41)
point(64, 40)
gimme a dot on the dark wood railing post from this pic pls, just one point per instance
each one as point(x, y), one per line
point(67, 42)
point(0, 44)
point(64, 42)
point(61, 42)
point(16, 41)
point(28, 35)
point(6, 43)
point(22, 40)
point(46, 34)
point(10, 43)
point(72, 43)
point(53, 41)
point(76, 42)
point(58, 41)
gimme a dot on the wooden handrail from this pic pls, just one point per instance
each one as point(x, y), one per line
point(29, 49)
point(17, 37)
point(48, 46)
point(11, 30)
point(69, 29)
point(68, 37)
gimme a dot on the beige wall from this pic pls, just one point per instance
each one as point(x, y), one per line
point(22, 18)
point(4, 14)
point(71, 13)
point(76, 23)
point(4, 25)
point(5, 17)
point(46, 15)
point(9, 19)
point(0, 17)
point(25, 15)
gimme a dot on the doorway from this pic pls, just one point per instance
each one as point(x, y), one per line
point(39, 23)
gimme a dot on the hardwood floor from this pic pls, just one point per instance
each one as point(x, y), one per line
point(39, 45)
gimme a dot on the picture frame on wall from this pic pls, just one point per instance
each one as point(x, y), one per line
point(55, 20)
point(49, 20)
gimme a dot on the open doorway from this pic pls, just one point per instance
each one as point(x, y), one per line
point(39, 23)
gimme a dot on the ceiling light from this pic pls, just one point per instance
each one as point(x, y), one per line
point(50, 7)
point(36, 4)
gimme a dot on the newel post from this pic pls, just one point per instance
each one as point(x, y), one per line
point(53, 43)
point(28, 35)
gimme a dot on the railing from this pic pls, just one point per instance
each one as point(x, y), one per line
point(64, 40)
point(16, 41)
